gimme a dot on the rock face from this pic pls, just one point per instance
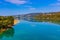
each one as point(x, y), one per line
point(6, 21)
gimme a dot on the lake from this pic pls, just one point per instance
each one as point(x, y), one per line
point(26, 30)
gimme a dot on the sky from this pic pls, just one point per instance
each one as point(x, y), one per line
point(15, 7)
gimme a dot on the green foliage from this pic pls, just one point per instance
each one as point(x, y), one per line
point(6, 20)
point(48, 17)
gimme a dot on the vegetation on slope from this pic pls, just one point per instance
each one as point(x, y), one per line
point(6, 21)
point(48, 17)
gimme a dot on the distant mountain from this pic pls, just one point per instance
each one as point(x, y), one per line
point(39, 17)
point(42, 16)
point(53, 17)
point(35, 16)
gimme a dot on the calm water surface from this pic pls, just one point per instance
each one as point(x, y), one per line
point(34, 31)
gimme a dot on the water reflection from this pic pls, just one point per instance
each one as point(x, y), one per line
point(6, 32)
point(51, 21)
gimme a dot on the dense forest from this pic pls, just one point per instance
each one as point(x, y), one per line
point(6, 21)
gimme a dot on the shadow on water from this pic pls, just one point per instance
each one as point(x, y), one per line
point(6, 23)
point(6, 32)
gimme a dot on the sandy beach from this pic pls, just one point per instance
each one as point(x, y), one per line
point(16, 21)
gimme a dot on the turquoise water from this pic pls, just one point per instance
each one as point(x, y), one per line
point(34, 31)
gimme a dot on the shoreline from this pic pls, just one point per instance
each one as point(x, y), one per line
point(16, 21)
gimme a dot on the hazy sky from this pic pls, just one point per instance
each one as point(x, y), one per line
point(11, 7)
